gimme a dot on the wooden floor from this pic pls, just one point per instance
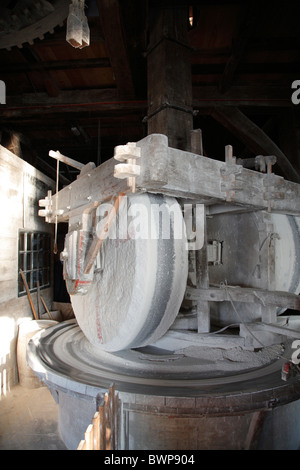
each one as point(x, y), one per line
point(29, 420)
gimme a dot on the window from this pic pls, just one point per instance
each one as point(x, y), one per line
point(34, 260)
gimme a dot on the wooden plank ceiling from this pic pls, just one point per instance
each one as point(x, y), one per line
point(84, 102)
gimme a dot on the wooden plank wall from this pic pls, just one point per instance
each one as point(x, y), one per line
point(21, 186)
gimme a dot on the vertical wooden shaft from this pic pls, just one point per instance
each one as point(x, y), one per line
point(202, 277)
point(102, 427)
point(169, 75)
point(202, 280)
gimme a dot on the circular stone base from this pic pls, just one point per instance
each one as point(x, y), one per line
point(155, 386)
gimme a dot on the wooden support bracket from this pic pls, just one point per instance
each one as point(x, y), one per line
point(129, 154)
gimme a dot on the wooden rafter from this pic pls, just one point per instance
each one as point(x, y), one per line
point(203, 97)
point(57, 65)
point(111, 21)
point(239, 44)
point(33, 59)
point(245, 95)
point(73, 102)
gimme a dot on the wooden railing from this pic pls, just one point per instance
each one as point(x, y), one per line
point(104, 431)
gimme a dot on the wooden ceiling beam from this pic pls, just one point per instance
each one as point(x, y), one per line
point(239, 43)
point(106, 100)
point(112, 28)
point(255, 138)
point(251, 95)
point(33, 59)
point(57, 65)
point(68, 102)
point(288, 124)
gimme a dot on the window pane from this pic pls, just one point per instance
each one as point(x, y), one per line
point(28, 261)
point(22, 261)
point(46, 277)
point(44, 243)
point(22, 242)
point(35, 238)
point(21, 285)
point(35, 260)
point(29, 244)
point(28, 279)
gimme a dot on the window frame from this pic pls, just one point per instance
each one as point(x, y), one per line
point(34, 259)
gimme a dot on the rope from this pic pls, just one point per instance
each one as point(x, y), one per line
point(56, 208)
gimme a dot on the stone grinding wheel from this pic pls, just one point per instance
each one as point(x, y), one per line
point(246, 239)
point(136, 295)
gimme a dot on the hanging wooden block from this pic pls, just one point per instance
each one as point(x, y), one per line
point(78, 32)
point(85, 33)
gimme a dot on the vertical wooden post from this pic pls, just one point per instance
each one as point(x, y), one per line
point(169, 75)
point(96, 425)
point(269, 312)
point(102, 430)
point(111, 402)
point(118, 421)
point(107, 423)
point(202, 278)
point(196, 142)
point(89, 437)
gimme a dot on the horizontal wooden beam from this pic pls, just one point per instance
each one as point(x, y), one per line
point(66, 97)
point(56, 65)
point(187, 175)
point(251, 95)
point(280, 330)
point(183, 174)
point(245, 294)
point(107, 99)
point(71, 102)
point(280, 68)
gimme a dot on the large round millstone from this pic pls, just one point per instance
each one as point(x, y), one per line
point(137, 292)
point(259, 250)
